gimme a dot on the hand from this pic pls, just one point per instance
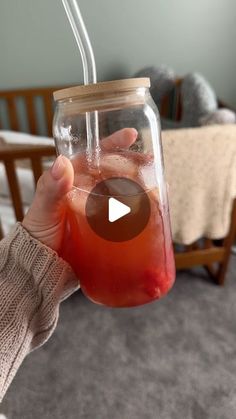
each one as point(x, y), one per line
point(45, 219)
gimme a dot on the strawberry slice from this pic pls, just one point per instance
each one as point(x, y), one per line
point(156, 283)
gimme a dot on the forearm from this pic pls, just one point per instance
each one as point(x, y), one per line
point(33, 281)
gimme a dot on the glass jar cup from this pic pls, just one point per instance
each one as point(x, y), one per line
point(117, 237)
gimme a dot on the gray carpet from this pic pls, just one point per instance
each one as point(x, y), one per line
point(173, 359)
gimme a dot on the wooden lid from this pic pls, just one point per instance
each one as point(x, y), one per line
point(101, 88)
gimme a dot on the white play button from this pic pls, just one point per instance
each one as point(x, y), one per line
point(117, 210)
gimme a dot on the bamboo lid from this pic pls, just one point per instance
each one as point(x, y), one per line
point(101, 88)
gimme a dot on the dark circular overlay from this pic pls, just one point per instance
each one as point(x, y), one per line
point(127, 192)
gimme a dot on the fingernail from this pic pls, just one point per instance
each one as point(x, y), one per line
point(134, 132)
point(58, 168)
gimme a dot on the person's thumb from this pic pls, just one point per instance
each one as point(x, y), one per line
point(54, 184)
point(45, 216)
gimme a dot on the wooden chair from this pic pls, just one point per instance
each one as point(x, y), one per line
point(10, 102)
point(214, 256)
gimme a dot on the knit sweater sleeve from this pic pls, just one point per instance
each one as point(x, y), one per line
point(33, 281)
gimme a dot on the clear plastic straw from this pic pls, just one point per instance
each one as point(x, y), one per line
point(89, 69)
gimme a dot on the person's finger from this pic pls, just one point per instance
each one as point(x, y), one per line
point(54, 184)
point(123, 138)
point(119, 140)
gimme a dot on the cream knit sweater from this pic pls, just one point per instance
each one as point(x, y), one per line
point(33, 282)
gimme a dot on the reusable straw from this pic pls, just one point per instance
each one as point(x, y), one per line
point(89, 69)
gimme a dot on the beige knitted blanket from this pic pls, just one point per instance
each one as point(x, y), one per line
point(200, 167)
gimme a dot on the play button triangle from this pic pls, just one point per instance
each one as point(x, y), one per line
point(117, 210)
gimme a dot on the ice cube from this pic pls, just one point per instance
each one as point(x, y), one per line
point(118, 165)
point(154, 196)
point(147, 176)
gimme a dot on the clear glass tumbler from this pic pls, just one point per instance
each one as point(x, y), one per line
point(117, 237)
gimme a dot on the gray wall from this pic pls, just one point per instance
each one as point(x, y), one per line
point(37, 47)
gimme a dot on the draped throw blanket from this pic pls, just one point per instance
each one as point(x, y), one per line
point(200, 167)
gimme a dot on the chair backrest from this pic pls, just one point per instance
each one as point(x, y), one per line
point(25, 104)
point(171, 104)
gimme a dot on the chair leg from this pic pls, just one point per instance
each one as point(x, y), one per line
point(1, 232)
point(210, 268)
point(212, 272)
point(228, 243)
